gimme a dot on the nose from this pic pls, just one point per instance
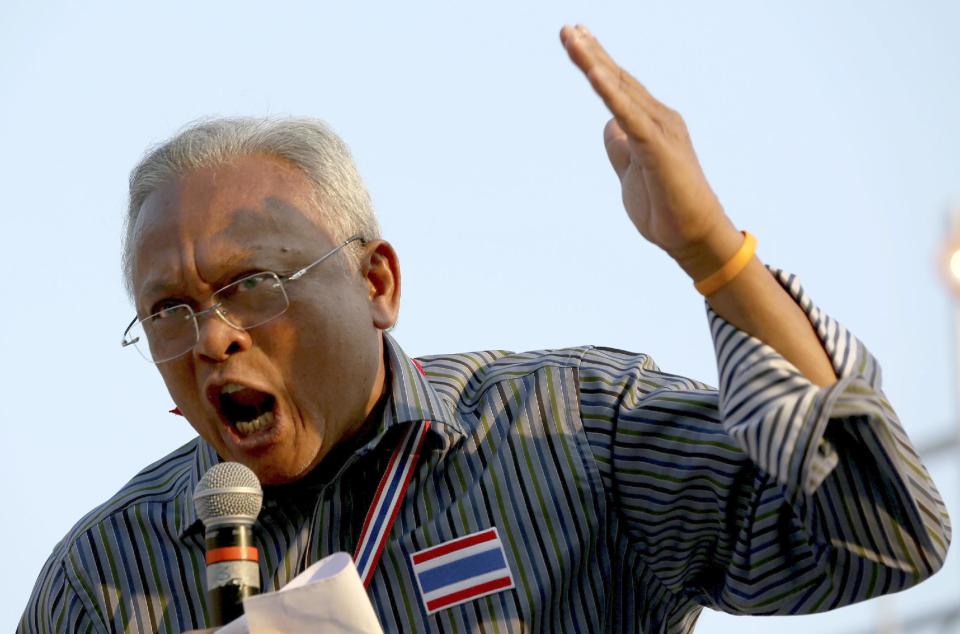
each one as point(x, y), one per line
point(218, 340)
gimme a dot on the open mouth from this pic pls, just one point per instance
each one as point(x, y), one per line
point(248, 410)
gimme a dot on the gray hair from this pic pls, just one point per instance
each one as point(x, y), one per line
point(342, 200)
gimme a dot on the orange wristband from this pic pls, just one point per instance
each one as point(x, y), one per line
point(734, 266)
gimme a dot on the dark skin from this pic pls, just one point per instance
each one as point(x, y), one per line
point(322, 360)
point(669, 200)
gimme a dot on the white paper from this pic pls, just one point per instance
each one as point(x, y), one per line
point(326, 597)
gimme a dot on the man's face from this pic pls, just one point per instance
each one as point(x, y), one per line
point(306, 379)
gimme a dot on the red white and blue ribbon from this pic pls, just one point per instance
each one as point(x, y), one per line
point(387, 500)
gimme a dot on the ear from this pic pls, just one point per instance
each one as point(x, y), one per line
point(381, 269)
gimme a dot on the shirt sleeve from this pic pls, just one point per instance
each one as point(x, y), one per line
point(770, 495)
point(55, 607)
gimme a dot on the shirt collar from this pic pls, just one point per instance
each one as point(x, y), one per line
point(411, 399)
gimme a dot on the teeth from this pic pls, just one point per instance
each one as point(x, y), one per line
point(260, 422)
point(230, 388)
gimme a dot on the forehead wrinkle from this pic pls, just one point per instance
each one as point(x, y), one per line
point(277, 236)
point(266, 238)
point(172, 282)
point(277, 218)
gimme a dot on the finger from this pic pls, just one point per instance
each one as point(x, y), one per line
point(584, 49)
point(617, 144)
point(587, 54)
point(636, 121)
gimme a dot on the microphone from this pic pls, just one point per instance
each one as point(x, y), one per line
point(228, 499)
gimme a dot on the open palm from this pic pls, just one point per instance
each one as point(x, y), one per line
point(664, 189)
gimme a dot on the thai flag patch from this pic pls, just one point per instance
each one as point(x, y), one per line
point(461, 570)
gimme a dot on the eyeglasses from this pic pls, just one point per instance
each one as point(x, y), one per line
point(246, 303)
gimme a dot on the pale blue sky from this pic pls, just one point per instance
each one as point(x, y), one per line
point(830, 130)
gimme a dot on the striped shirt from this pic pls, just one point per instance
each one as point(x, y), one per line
point(625, 498)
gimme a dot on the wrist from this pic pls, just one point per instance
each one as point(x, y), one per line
point(701, 258)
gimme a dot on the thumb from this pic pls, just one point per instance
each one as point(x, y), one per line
point(618, 147)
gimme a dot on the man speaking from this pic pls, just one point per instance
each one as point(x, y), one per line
point(575, 490)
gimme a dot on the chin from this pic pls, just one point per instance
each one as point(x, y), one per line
point(272, 475)
point(277, 474)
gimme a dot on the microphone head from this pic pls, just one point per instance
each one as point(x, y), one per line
point(228, 493)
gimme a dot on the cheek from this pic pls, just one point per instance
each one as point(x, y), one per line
point(277, 341)
point(329, 354)
point(306, 347)
point(185, 394)
point(178, 382)
point(296, 351)
point(319, 327)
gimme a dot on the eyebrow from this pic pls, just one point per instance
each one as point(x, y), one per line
point(293, 220)
point(228, 267)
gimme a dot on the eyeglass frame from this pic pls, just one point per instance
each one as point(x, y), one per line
point(216, 308)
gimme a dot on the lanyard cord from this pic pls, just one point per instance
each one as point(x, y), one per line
point(387, 500)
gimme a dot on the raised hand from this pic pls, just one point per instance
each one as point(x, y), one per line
point(669, 200)
point(665, 192)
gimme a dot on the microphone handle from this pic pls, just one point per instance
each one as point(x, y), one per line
point(233, 571)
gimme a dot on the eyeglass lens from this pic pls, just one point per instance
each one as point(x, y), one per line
point(252, 300)
point(246, 303)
